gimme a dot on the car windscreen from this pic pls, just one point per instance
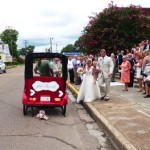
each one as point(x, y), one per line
point(55, 62)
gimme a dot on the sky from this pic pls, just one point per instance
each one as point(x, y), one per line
point(61, 20)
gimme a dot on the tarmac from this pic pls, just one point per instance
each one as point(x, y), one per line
point(125, 117)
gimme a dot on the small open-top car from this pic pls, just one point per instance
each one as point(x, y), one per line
point(44, 91)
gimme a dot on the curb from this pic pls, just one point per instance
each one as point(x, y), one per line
point(116, 136)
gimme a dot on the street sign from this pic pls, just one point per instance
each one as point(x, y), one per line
point(72, 53)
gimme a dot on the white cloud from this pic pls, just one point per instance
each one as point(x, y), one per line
point(61, 19)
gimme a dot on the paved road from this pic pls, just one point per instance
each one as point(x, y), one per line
point(17, 132)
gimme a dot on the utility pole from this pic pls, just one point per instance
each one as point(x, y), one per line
point(51, 50)
point(25, 43)
point(56, 47)
point(9, 28)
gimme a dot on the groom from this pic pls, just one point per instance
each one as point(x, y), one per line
point(105, 67)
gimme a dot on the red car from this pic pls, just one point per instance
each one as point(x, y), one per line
point(44, 91)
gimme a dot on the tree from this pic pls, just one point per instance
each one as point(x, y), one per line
point(10, 37)
point(30, 48)
point(68, 48)
point(47, 50)
point(23, 51)
point(116, 28)
point(78, 45)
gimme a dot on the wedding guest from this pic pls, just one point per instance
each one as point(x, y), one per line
point(125, 72)
point(141, 46)
point(144, 53)
point(138, 66)
point(136, 52)
point(146, 70)
point(132, 69)
point(70, 70)
point(115, 67)
point(75, 67)
point(43, 68)
point(127, 51)
point(146, 45)
point(119, 60)
point(57, 67)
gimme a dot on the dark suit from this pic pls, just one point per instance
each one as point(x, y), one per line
point(119, 61)
point(132, 71)
point(146, 47)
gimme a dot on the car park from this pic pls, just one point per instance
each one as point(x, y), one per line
point(2, 67)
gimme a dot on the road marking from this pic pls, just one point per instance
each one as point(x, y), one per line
point(144, 113)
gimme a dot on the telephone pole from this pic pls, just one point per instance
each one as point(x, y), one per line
point(51, 50)
point(25, 43)
point(56, 47)
point(9, 28)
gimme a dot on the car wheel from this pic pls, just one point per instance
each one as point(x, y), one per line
point(4, 71)
point(24, 110)
point(64, 111)
point(1, 71)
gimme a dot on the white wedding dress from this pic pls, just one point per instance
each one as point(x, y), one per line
point(89, 91)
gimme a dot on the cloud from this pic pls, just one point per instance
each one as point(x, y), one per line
point(64, 20)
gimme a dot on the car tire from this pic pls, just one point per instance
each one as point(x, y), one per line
point(1, 71)
point(24, 110)
point(4, 71)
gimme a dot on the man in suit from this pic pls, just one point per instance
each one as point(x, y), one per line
point(132, 70)
point(119, 60)
point(75, 67)
point(105, 66)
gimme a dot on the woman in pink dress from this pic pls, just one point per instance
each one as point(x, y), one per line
point(125, 72)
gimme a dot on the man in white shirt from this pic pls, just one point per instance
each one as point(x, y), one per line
point(70, 69)
point(56, 66)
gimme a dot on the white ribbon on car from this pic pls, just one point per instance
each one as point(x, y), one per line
point(45, 86)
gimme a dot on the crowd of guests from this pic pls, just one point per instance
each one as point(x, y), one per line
point(130, 64)
point(92, 71)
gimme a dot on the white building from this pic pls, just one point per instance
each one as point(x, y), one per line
point(4, 52)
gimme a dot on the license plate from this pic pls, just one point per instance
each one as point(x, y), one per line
point(45, 98)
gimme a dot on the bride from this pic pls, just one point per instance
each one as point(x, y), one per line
point(89, 90)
